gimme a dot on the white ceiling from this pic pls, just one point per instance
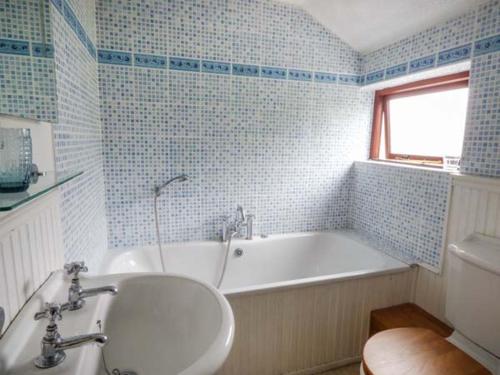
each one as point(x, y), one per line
point(367, 25)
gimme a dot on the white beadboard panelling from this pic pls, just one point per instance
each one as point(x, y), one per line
point(475, 208)
point(310, 329)
point(30, 249)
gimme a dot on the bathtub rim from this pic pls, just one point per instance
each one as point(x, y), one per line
point(312, 281)
point(351, 234)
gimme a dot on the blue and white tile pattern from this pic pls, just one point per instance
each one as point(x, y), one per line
point(402, 211)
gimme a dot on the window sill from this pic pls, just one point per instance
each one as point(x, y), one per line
point(397, 164)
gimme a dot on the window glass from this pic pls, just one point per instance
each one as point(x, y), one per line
point(429, 124)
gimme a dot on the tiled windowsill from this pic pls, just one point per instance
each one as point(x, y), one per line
point(407, 166)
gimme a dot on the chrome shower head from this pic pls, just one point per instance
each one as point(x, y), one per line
point(180, 178)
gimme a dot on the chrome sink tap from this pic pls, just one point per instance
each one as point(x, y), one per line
point(53, 345)
point(76, 294)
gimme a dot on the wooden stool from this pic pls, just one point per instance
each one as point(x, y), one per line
point(406, 315)
point(416, 351)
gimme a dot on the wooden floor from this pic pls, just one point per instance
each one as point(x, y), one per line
point(347, 370)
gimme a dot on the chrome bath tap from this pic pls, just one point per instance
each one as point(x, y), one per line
point(76, 294)
point(235, 227)
point(53, 345)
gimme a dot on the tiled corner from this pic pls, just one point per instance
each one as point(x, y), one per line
point(78, 128)
point(401, 210)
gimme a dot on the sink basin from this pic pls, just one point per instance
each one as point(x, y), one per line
point(167, 325)
point(157, 324)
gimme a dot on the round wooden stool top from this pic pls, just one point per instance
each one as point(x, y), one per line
point(416, 351)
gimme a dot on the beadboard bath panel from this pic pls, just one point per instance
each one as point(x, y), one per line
point(475, 208)
point(30, 249)
point(309, 329)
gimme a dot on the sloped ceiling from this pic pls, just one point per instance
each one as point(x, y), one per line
point(370, 24)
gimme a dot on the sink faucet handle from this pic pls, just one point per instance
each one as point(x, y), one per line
point(52, 312)
point(75, 268)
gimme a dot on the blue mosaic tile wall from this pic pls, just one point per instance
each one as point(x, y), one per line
point(78, 133)
point(401, 210)
point(224, 91)
point(27, 81)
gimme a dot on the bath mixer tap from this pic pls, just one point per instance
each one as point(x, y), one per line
point(240, 214)
point(76, 294)
point(53, 345)
point(240, 222)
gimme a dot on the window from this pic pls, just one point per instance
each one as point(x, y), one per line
point(421, 122)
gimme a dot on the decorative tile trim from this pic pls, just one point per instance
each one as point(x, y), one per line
point(245, 70)
point(449, 56)
point(114, 57)
point(396, 71)
point(42, 50)
point(488, 45)
point(422, 63)
point(150, 61)
point(72, 20)
point(14, 47)
point(270, 72)
point(351, 79)
point(374, 77)
point(190, 65)
point(300, 75)
point(454, 54)
point(91, 48)
point(325, 77)
point(58, 4)
point(216, 67)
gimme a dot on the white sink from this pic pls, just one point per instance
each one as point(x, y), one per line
point(167, 325)
point(157, 324)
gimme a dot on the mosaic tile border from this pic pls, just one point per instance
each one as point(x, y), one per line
point(42, 50)
point(15, 47)
point(25, 48)
point(449, 56)
point(487, 45)
point(222, 67)
point(72, 20)
point(454, 55)
point(215, 67)
point(483, 46)
point(116, 58)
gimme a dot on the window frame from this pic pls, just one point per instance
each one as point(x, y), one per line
point(381, 116)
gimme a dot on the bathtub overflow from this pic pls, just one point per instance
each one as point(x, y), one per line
point(238, 252)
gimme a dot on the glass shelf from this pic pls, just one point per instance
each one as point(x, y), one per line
point(45, 183)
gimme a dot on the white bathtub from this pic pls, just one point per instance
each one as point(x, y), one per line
point(267, 263)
